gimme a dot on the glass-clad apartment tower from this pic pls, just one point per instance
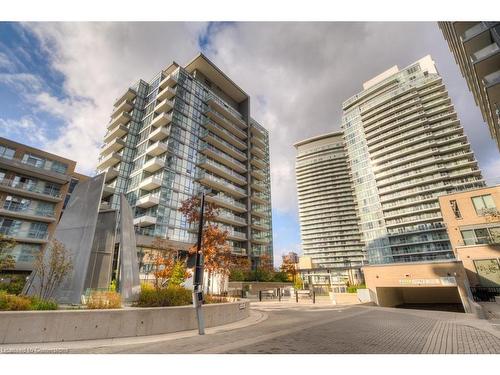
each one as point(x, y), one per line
point(328, 220)
point(189, 129)
point(406, 148)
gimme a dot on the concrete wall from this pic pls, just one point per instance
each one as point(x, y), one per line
point(58, 326)
point(254, 287)
point(467, 254)
point(389, 282)
point(345, 298)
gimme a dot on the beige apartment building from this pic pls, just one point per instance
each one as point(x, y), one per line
point(473, 222)
point(476, 48)
point(329, 229)
point(34, 188)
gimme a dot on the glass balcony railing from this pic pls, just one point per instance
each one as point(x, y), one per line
point(54, 193)
point(231, 201)
point(220, 181)
point(28, 211)
point(224, 143)
point(223, 155)
point(492, 79)
point(226, 133)
point(34, 234)
point(226, 106)
point(474, 30)
point(223, 168)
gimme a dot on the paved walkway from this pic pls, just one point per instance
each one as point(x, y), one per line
point(306, 328)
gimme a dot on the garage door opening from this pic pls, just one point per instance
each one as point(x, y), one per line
point(422, 298)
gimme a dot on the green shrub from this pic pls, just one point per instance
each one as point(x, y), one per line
point(40, 304)
point(15, 286)
point(170, 296)
point(281, 277)
point(10, 302)
point(354, 288)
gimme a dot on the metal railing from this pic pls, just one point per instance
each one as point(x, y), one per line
point(30, 187)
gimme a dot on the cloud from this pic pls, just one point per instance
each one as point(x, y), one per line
point(23, 82)
point(6, 63)
point(298, 75)
point(98, 61)
point(25, 127)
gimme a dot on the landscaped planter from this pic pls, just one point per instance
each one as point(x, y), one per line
point(73, 325)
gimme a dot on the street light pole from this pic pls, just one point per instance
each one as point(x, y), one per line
point(198, 273)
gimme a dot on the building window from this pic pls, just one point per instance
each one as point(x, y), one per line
point(456, 210)
point(6, 152)
point(481, 236)
point(483, 204)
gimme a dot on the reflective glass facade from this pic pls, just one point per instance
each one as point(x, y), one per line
point(406, 148)
point(185, 131)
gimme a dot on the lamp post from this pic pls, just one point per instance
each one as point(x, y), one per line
point(198, 273)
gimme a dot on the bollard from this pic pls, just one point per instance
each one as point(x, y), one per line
point(296, 297)
point(279, 294)
point(242, 293)
point(314, 296)
point(260, 295)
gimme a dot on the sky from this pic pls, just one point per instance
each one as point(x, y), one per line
point(58, 82)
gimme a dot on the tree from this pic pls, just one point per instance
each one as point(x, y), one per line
point(179, 273)
point(217, 259)
point(289, 267)
point(241, 268)
point(163, 265)
point(53, 268)
point(7, 261)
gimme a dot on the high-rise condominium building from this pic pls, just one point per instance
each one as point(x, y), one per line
point(476, 48)
point(34, 185)
point(406, 148)
point(188, 129)
point(328, 220)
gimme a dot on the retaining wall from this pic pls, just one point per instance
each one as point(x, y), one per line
point(72, 325)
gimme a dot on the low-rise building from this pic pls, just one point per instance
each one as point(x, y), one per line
point(34, 185)
point(473, 223)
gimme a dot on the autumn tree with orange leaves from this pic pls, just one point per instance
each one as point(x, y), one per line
point(167, 268)
point(289, 267)
point(217, 259)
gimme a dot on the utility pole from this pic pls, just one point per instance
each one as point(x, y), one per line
point(198, 273)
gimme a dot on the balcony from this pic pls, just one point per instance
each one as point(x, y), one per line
point(258, 174)
point(39, 171)
point(123, 119)
point(474, 31)
point(147, 201)
point(164, 106)
point(144, 221)
point(257, 185)
point(236, 236)
point(28, 213)
point(157, 148)
point(114, 146)
point(150, 183)
point(168, 81)
point(124, 106)
point(161, 120)
point(228, 218)
point(108, 190)
point(258, 142)
point(111, 173)
point(226, 202)
point(257, 151)
point(128, 95)
point(116, 132)
point(223, 158)
point(260, 240)
point(153, 164)
point(220, 184)
point(223, 145)
point(225, 134)
point(257, 132)
point(486, 60)
point(259, 198)
point(259, 213)
point(166, 93)
point(225, 123)
point(109, 161)
point(230, 113)
point(31, 236)
point(222, 171)
point(159, 134)
point(260, 225)
point(258, 163)
point(30, 190)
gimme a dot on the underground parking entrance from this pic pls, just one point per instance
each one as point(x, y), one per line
point(421, 298)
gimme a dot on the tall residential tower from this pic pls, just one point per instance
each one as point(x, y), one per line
point(406, 148)
point(328, 220)
point(476, 48)
point(187, 129)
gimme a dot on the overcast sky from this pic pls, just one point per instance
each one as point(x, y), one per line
point(58, 82)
